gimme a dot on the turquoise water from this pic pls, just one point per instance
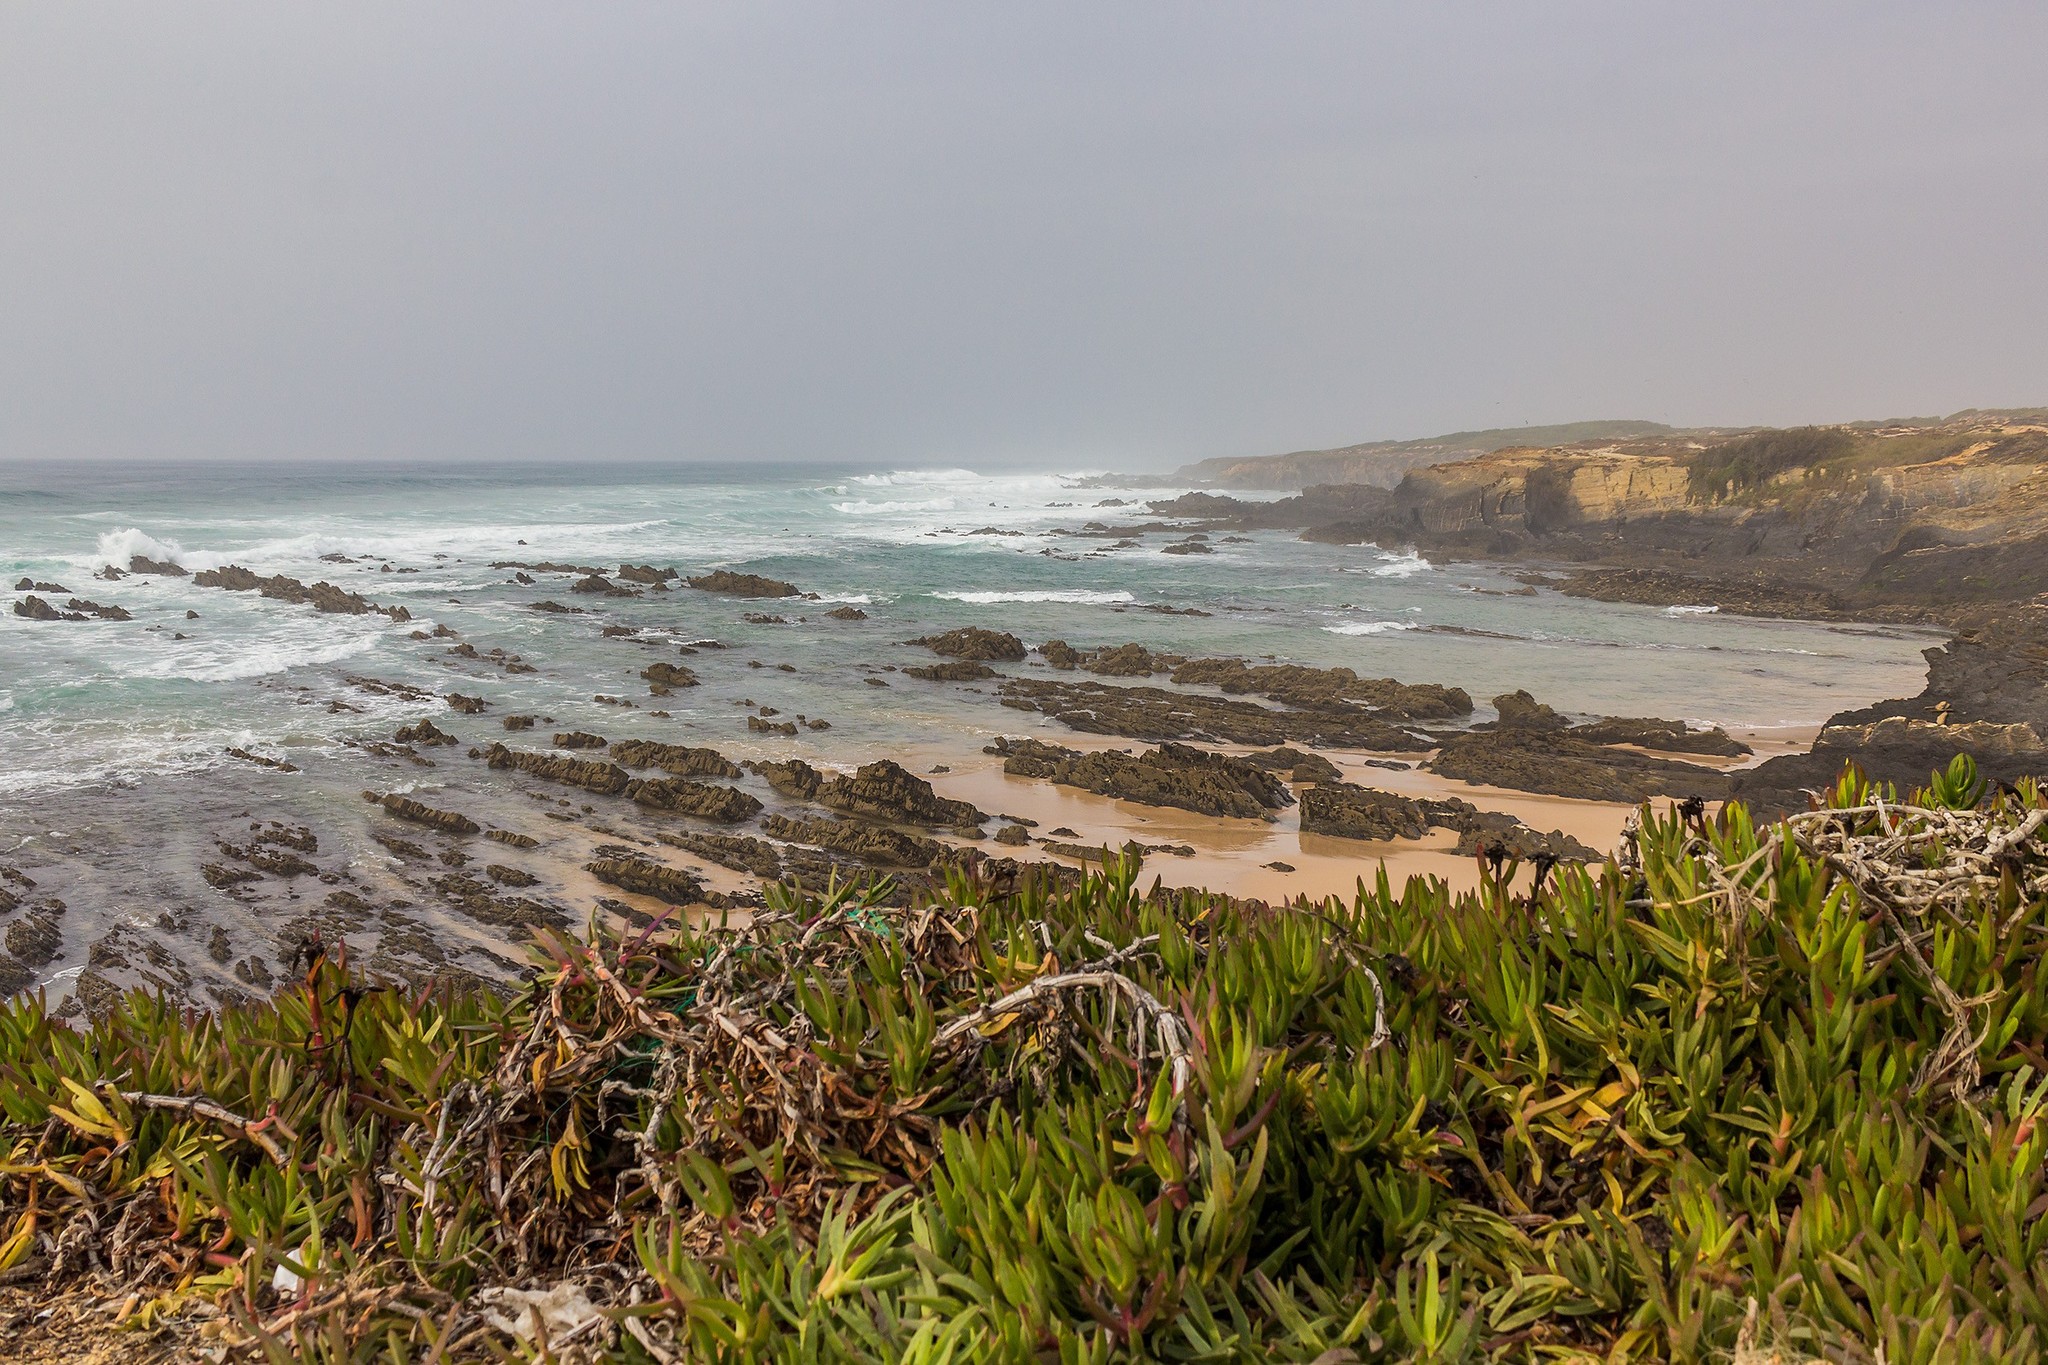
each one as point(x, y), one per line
point(126, 705)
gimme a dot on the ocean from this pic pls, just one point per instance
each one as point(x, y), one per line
point(119, 797)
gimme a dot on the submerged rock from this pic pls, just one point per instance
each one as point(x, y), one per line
point(953, 670)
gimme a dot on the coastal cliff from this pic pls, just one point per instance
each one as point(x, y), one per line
point(1905, 522)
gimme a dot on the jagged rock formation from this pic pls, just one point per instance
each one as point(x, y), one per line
point(406, 808)
point(1170, 775)
point(322, 596)
point(792, 778)
point(731, 584)
point(680, 795)
point(1555, 764)
point(1345, 811)
point(647, 878)
point(867, 843)
point(885, 790)
point(608, 779)
point(1986, 696)
point(953, 670)
point(679, 759)
point(579, 739)
point(972, 642)
point(1155, 713)
point(423, 732)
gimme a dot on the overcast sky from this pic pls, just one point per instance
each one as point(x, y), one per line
point(1066, 234)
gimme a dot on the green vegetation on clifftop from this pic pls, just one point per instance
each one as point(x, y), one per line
point(1777, 1088)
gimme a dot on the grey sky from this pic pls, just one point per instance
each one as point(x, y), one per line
point(1068, 234)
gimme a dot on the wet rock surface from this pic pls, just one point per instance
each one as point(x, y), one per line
point(953, 670)
point(973, 642)
point(682, 796)
point(729, 584)
point(1554, 764)
point(420, 813)
point(322, 596)
point(646, 877)
point(1156, 713)
point(607, 778)
point(1176, 775)
point(876, 846)
point(1986, 696)
point(680, 759)
point(885, 790)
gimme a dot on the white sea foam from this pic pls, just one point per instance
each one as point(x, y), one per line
point(196, 661)
point(1077, 597)
point(861, 507)
point(1403, 566)
point(118, 547)
point(1691, 611)
point(1372, 627)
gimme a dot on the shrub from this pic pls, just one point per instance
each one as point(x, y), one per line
point(1745, 1083)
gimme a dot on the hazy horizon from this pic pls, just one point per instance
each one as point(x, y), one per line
point(1064, 237)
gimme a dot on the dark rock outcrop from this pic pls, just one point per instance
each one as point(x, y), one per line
point(1157, 713)
point(1520, 711)
point(609, 779)
point(322, 596)
point(792, 778)
point(647, 574)
point(646, 878)
point(681, 796)
point(679, 759)
point(579, 739)
point(1171, 775)
point(1665, 736)
point(1060, 655)
point(885, 790)
point(1557, 765)
point(423, 732)
point(953, 670)
point(867, 843)
point(666, 674)
point(730, 584)
point(972, 642)
point(1297, 765)
point(1986, 696)
point(447, 821)
point(162, 567)
point(847, 613)
point(1308, 688)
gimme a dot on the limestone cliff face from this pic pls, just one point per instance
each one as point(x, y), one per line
point(1541, 490)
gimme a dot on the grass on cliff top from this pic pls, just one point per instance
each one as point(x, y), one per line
point(1761, 1093)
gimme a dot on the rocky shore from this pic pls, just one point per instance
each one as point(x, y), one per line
point(485, 816)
